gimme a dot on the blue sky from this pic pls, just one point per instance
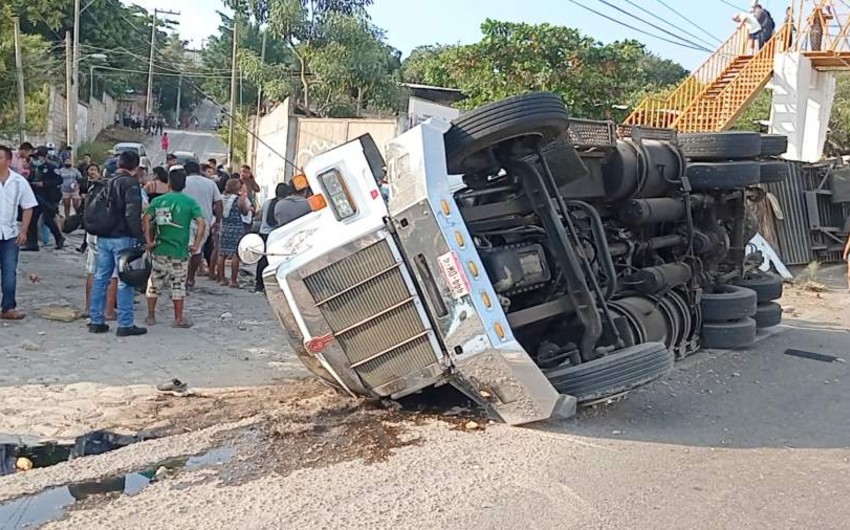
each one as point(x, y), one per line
point(412, 23)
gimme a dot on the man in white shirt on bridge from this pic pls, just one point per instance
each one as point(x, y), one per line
point(15, 192)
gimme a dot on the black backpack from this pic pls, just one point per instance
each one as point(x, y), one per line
point(99, 217)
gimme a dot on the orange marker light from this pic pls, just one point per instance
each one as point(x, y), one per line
point(299, 182)
point(500, 331)
point(317, 202)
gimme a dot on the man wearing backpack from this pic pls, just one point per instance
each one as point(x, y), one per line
point(267, 226)
point(114, 215)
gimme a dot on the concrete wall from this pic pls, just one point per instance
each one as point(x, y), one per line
point(802, 106)
point(92, 118)
point(273, 131)
point(299, 138)
point(419, 110)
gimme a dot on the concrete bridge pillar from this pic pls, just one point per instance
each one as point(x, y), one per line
point(802, 105)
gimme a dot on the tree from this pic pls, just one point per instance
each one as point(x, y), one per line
point(301, 24)
point(513, 58)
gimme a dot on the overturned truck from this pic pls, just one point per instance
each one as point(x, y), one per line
point(533, 261)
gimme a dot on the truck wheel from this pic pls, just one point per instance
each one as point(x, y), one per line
point(768, 286)
point(721, 146)
point(768, 315)
point(774, 171)
point(471, 136)
point(729, 335)
point(728, 303)
point(723, 175)
point(617, 372)
point(774, 144)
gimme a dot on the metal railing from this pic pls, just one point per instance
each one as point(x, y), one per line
point(662, 112)
point(719, 112)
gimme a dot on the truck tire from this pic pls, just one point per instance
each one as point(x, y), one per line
point(729, 335)
point(728, 303)
point(774, 171)
point(470, 137)
point(721, 146)
point(768, 315)
point(617, 372)
point(774, 144)
point(723, 175)
point(768, 286)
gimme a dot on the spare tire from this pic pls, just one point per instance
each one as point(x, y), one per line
point(723, 175)
point(469, 140)
point(767, 286)
point(774, 171)
point(768, 315)
point(727, 303)
point(729, 335)
point(774, 144)
point(617, 372)
point(721, 146)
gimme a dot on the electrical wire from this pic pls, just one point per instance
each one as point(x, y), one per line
point(650, 24)
point(686, 19)
point(733, 6)
point(641, 31)
point(683, 30)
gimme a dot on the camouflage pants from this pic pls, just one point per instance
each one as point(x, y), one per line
point(168, 270)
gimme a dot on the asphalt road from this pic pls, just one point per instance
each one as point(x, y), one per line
point(205, 144)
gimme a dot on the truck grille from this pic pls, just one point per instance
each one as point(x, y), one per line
point(373, 315)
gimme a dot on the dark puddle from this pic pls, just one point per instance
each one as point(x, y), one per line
point(46, 454)
point(51, 504)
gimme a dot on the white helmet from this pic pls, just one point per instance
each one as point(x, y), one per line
point(51, 147)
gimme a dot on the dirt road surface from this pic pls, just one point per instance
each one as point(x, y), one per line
point(747, 439)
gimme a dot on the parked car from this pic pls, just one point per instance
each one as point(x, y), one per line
point(533, 261)
point(185, 156)
point(137, 148)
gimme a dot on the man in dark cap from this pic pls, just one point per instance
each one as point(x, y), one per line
point(46, 183)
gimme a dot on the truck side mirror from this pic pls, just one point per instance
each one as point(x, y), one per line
point(251, 249)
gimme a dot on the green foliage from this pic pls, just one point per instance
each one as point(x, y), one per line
point(39, 65)
point(513, 58)
point(240, 136)
point(756, 112)
point(342, 63)
point(838, 138)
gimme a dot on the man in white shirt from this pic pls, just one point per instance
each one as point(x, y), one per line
point(751, 22)
point(206, 194)
point(15, 192)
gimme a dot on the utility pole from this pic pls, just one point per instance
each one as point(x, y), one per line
point(179, 95)
point(149, 101)
point(232, 96)
point(75, 75)
point(19, 70)
point(69, 87)
point(259, 101)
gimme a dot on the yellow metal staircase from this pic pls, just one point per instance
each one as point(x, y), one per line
point(716, 94)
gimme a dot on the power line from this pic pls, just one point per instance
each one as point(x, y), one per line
point(683, 30)
point(641, 31)
point(689, 21)
point(733, 6)
point(650, 24)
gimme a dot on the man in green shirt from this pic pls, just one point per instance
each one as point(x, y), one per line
point(167, 224)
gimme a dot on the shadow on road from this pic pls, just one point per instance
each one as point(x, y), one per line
point(759, 397)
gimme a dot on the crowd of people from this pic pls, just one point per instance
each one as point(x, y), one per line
point(175, 225)
point(152, 124)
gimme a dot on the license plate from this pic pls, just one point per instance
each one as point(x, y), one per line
point(453, 275)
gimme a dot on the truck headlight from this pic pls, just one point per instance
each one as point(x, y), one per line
point(337, 194)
